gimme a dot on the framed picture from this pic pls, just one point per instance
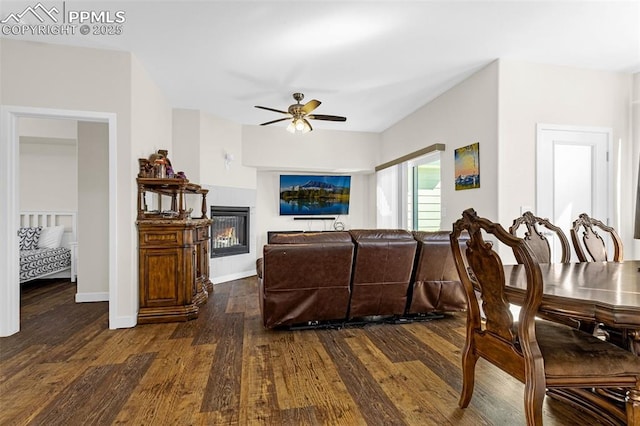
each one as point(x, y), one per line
point(467, 166)
point(314, 195)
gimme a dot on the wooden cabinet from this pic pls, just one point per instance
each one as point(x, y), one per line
point(173, 253)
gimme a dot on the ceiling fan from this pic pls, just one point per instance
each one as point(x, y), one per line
point(299, 115)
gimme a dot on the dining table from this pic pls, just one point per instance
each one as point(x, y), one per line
point(595, 296)
point(601, 292)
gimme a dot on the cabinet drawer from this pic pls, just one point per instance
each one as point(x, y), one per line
point(202, 233)
point(162, 237)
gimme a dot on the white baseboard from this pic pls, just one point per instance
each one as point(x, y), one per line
point(61, 274)
point(92, 297)
point(231, 277)
point(123, 322)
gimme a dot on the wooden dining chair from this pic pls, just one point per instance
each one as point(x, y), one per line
point(541, 354)
point(592, 248)
point(536, 240)
point(541, 248)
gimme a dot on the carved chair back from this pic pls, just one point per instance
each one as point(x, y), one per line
point(536, 239)
point(503, 340)
point(592, 247)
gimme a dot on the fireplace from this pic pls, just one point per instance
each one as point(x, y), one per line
point(229, 231)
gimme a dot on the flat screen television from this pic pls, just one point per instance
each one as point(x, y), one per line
point(309, 195)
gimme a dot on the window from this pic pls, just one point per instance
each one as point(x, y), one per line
point(408, 194)
point(423, 193)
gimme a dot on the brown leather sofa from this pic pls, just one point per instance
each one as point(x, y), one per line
point(329, 278)
point(305, 277)
point(436, 285)
point(382, 271)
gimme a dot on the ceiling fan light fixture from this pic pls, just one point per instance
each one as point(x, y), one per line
point(299, 115)
point(299, 124)
point(306, 126)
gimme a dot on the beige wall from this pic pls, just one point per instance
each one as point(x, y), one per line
point(48, 174)
point(48, 128)
point(48, 164)
point(201, 141)
point(151, 116)
point(220, 137)
point(535, 93)
point(186, 142)
point(273, 148)
point(463, 115)
point(93, 211)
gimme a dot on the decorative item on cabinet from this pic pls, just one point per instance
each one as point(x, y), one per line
point(173, 248)
point(157, 165)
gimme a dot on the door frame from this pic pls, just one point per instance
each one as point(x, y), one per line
point(10, 208)
point(546, 180)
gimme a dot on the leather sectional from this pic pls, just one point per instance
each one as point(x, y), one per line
point(319, 278)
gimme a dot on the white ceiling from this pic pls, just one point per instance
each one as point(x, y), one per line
point(373, 62)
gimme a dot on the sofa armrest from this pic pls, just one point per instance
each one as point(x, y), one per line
point(259, 267)
point(436, 285)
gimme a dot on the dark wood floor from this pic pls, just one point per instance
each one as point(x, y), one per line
point(67, 368)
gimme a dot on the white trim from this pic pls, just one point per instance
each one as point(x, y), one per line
point(113, 226)
point(235, 276)
point(9, 209)
point(122, 322)
point(9, 255)
point(92, 297)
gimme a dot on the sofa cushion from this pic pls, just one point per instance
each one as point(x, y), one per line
point(311, 237)
point(382, 271)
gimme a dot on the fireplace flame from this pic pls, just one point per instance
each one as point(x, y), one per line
point(227, 232)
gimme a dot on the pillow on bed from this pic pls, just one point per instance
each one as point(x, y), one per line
point(51, 237)
point(29, 237)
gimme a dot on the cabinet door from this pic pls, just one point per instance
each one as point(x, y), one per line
point(165, 276)
point(202, 238)
point(204, 256)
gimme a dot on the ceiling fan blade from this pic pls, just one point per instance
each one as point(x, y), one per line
point(326, 117)
point(271, 109)
point(310, 106)
point(275, 121)
point(308, 124)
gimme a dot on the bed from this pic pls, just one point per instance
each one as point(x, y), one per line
point(48, 247)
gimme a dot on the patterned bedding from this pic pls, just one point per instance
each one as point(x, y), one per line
point(41, 262)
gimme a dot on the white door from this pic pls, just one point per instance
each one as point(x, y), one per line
point(573, 176)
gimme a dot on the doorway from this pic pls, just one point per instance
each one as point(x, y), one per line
point(9, 210)
point(573, 176)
